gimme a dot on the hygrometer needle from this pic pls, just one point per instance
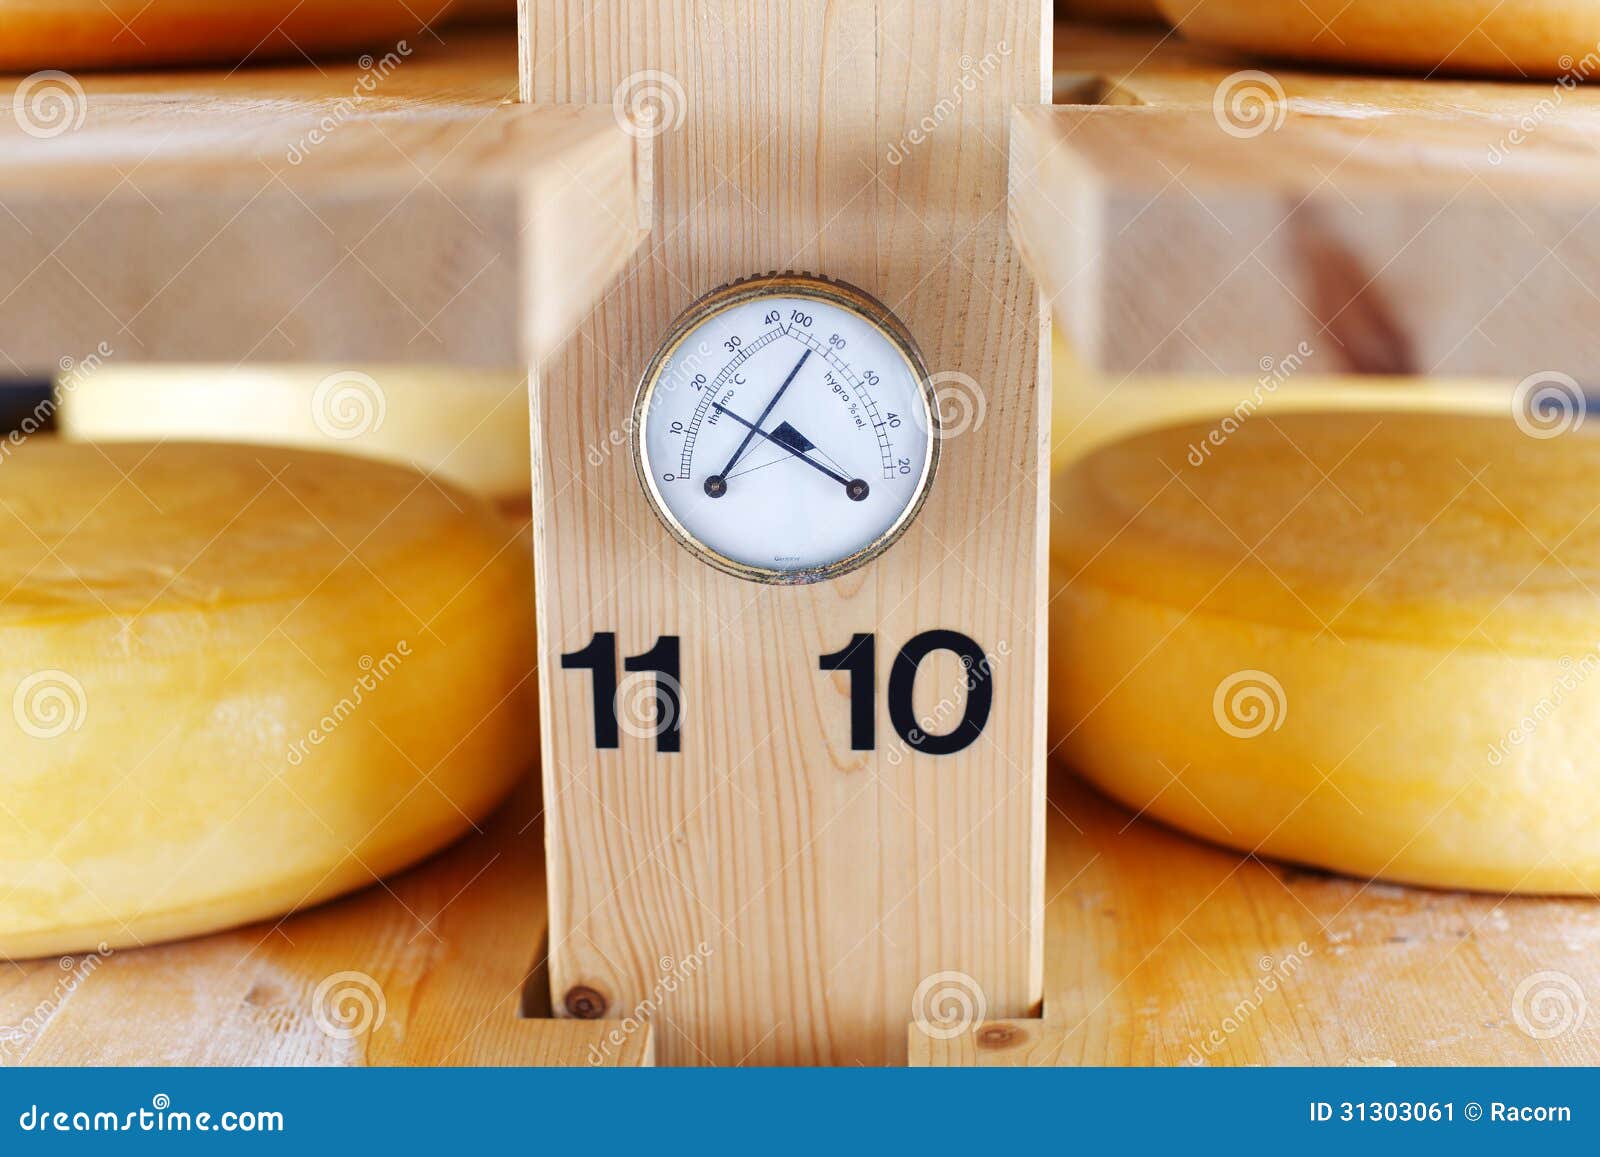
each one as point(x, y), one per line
point(765, 414)
point(792, 442)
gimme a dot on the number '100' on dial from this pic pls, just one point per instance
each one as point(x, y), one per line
point(786, 431)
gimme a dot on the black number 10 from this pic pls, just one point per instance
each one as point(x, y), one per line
point(860, 659)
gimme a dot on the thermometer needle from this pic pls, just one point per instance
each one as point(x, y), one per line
point(765, 414)
point(856, 488)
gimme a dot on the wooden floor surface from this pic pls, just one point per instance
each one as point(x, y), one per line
point(428, 968)
point(1166, 951)
point(1161, 951)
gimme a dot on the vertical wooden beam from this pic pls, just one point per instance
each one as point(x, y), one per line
point(821, 888)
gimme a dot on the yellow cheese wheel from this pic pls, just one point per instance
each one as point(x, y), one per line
point(483, 11)
point(239, 680)
point(1527, 38)
point(1115, 10)
point(69, 34)
point(1366, 642)
point(467, 428)
point(1092, 409)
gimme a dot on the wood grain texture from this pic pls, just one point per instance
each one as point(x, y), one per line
point(443, 950)
point(1161, 948)
point(1199, 218)
point(825, 883)
point(1153, 940)
point(408, 212)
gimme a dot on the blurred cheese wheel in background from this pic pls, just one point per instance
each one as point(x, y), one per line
point(483, 11)
point(69, 34)
point(466, 428)
point(1092, 409)
point(236, 681)
point(1528, 38)
point(1365, 642)
point(1114, 10)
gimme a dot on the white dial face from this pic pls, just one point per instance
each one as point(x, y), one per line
point(787, 434)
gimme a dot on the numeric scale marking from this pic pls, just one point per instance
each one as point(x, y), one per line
point(744, 355)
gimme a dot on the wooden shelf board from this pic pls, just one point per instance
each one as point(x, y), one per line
point(304, 214)
point(1395, 225)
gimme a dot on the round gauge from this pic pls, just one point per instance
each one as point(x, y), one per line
point(787, 431)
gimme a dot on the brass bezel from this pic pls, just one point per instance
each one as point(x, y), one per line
point(809, 287)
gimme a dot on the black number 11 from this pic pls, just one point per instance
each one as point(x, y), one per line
point(662, 660)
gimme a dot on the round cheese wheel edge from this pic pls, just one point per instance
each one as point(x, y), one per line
point(236, 681)
point(72, 34)
point(1384, 673)
point(1113, 10)
point(1528, 38)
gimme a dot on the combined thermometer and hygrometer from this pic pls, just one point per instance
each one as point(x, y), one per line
point(786, 431)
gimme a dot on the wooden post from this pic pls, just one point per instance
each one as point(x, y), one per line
point(826, 896)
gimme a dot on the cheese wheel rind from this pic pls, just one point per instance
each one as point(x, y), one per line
point(73, 34)
point(1530, 38)
point(1113, 10)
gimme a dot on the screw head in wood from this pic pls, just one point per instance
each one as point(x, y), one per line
point(997, 1036)
point(584, 1003)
